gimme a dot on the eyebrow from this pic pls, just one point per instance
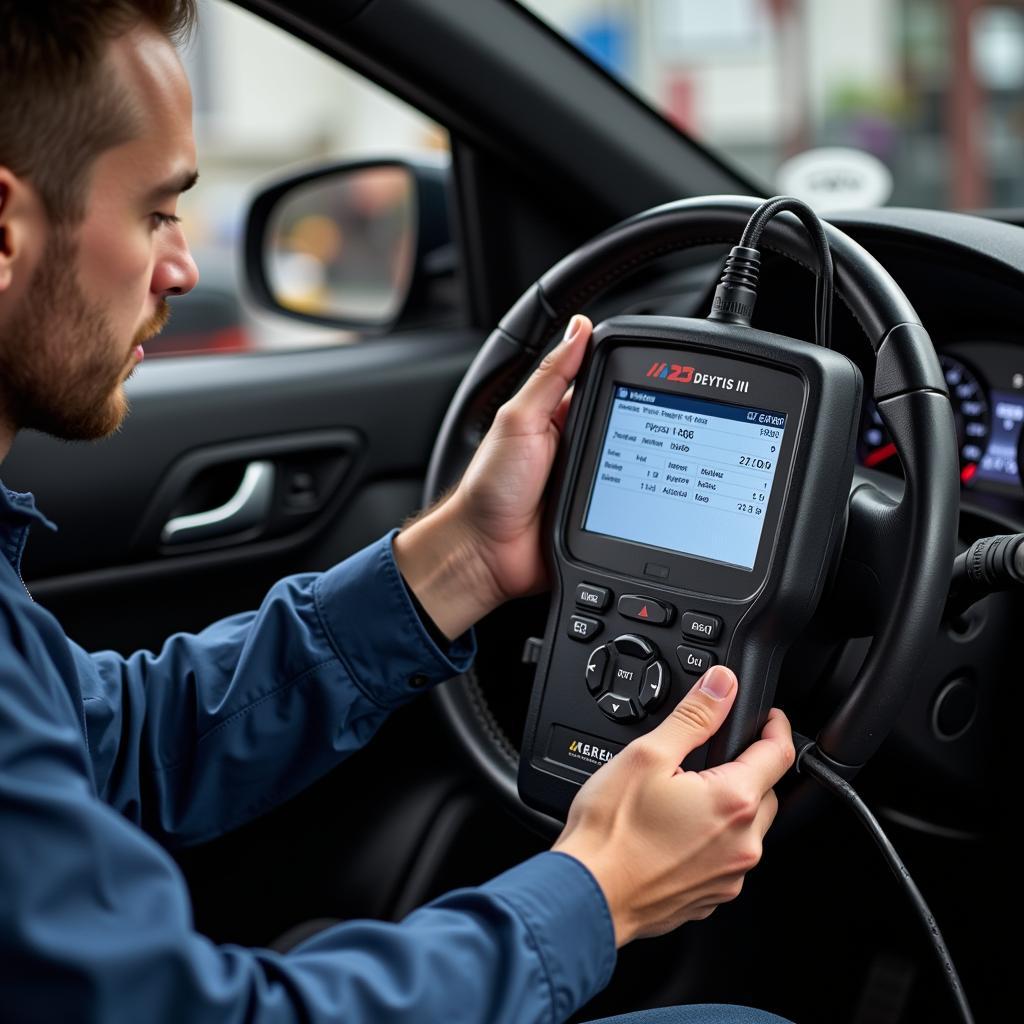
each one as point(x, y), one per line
point(173, 187)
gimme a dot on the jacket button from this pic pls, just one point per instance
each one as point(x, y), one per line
point(417, 682)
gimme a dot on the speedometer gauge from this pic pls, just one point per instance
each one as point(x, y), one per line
point(970, 411)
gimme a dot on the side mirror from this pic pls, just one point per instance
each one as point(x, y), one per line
point(350, 245)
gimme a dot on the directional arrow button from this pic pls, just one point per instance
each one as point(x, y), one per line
point(654, 685)
point(597, 666)
point(616, 706)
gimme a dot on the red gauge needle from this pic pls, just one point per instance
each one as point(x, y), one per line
point(967, 473)
point(879, 455)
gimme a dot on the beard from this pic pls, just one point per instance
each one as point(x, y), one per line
point(62, 369)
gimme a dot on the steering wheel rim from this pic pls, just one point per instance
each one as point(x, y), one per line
point(899, 554)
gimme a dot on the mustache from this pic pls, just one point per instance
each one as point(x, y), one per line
point(154, 325)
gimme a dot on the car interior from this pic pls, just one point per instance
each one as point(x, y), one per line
point(333, 445)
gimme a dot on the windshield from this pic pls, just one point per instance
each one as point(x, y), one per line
point(845, 103)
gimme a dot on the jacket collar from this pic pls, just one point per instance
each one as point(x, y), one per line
point(17, 513)
point(20, 509)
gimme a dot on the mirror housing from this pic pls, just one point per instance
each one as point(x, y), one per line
point(356, 245)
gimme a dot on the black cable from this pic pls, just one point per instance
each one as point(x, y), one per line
point(988, 565)
point(737, 290)
point(807, 761)
point(824, 285)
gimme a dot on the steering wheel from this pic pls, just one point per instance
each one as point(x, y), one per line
point(897, 555)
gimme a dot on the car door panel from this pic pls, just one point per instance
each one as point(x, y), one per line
point(370, 410)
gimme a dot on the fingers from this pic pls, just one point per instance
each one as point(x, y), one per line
point(696, 718)
point(562, 411)
point(702, 911)
point(766, 813)
point(538, 399)
point(770, 757)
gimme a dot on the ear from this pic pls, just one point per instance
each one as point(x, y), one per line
point(22, 227)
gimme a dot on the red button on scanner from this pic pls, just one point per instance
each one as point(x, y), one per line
point(645, 609)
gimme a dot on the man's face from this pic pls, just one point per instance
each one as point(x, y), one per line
point(98, 290)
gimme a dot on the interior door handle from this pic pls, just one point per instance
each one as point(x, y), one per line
point(248, 507)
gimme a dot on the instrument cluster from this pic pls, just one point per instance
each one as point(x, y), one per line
point(986, 386)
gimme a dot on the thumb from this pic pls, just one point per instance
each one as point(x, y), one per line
point(546, 386)
point(696, 718)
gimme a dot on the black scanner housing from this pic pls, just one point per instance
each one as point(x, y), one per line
point(762, 610)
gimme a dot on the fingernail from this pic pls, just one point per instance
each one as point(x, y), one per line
point(572, 328)
point(717, 682)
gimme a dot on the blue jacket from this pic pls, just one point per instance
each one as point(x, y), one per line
point(105, 762)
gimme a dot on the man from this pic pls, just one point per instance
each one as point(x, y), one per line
point(106, 761)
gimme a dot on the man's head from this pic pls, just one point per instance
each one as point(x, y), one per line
point(95, 147)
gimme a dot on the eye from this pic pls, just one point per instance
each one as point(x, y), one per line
point(162, 220)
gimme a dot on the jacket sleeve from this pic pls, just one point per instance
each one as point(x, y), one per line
point(224, 724)
point(95, 921)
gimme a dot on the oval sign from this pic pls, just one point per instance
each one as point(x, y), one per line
point(836, 178)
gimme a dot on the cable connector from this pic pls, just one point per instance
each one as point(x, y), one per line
point(737, 290)
point(988, 565)
point(994, 563)
point(803, 745)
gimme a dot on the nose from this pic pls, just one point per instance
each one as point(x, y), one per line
point(175, 272)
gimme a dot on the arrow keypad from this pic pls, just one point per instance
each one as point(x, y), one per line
point(627, 677)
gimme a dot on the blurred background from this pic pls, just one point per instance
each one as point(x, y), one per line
point(265, 104)
point(847, 103)
point(934, 89)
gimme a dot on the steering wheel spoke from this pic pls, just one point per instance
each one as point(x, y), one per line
point(868, 564)
point(895, 569)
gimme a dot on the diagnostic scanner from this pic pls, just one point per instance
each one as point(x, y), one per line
point(698, 501)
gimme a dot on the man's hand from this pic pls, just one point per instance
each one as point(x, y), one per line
point(668, 846)
point(483, 545)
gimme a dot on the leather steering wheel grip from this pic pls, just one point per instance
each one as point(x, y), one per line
point(906, 549)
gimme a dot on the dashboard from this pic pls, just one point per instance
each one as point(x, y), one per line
point(986, 387)
point(965, 277)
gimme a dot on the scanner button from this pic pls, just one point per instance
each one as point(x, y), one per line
point(582, 628)
point(589, 596)
point(633, 646)
point(694, 660)
point(626, 674)
point(655, 685)
point(645, 609)
point(617, 707)
point(701, 627)
point(597, 665)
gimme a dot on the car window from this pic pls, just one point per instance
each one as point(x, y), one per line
point(847, 104)
point(265, 102)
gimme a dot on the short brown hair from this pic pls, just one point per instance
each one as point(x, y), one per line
point(59, 106)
